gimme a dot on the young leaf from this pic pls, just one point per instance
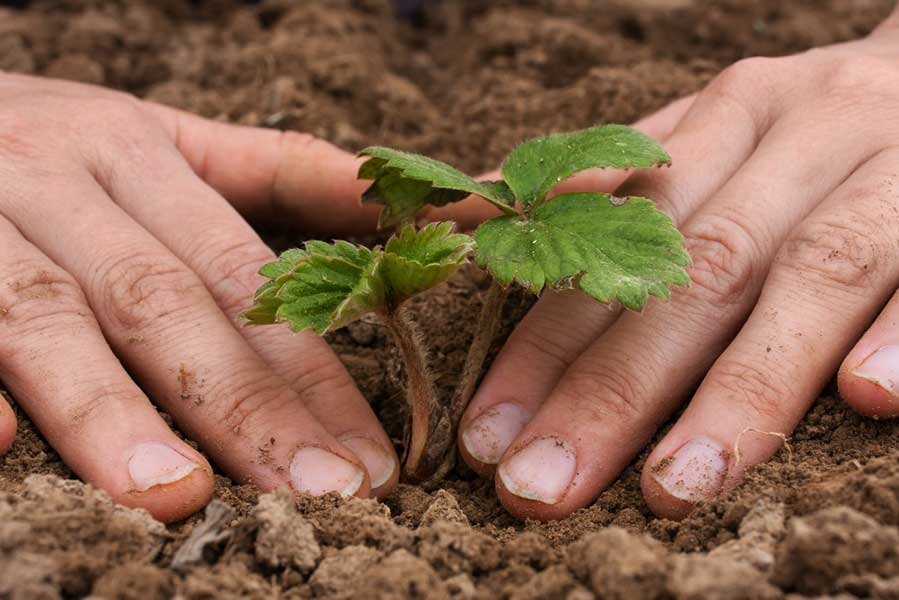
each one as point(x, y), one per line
point(326, 286)
point(613, 251)
point(535, 166)
point(404, 183)
point(418, 260)
point(323, 287)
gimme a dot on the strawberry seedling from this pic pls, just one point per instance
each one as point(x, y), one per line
point(613, 249)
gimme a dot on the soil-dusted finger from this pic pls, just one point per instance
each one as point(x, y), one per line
point(7, 426)
point(212, 239)
point(509, 396)
point(54, 359)
point(165, 326)
point(616, 394)
point(828, 281)
point(274, 175)
point(869, 377)
point(561, 326)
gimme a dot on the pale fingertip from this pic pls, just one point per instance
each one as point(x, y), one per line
point(541, 471)
point(694, 473)
point(175, 500)
point(380, 462)
point(882, 369)
point(154, 463)
point(487, 437)
point(7, 427)
point(867, 395)
point(317, 471)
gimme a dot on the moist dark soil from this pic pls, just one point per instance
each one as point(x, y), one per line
point(463, 81)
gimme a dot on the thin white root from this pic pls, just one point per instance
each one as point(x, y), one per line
point(778, 434)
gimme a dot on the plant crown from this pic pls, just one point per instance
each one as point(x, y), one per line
point(613, 249)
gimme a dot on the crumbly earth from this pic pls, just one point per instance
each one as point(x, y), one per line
point(464, 82)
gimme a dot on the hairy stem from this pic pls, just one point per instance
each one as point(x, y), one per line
point(484, 334)
point(485, 331)
point(421, 395)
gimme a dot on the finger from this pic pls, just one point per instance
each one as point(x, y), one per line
point(274, 175)
point(473, 210)
point(561, 326)
point(869, 377)
point(611, 400)
point(827, 283)
point(200, 228)
point(7, 426)
point(164, 325)
point(54, 359)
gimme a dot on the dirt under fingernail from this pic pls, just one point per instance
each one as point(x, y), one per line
point(463, 82)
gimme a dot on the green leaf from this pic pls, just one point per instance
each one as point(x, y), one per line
point(418, 260)
point(534, 167)
point(323, 287)
point(326, 286)
point(613, 249)
point(405, 183)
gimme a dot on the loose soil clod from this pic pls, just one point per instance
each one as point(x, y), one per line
point(822, 525)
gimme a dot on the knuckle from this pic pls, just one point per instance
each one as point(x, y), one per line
point(326, 375)
point(723, 268)
point(743, 79)
point(301, 142)
point(236, 272)
point(39, 297)
point(844, 253)
point(754, 387)
point(243, 406)
point(20, 132)
point(142, 289)
point(113, 112)
point(608, 392)
point(539, 342)
point(93, 405)
point(856, 75)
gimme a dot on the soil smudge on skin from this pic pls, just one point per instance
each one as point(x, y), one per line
point(464, 81)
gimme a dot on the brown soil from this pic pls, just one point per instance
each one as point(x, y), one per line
point(464, 83)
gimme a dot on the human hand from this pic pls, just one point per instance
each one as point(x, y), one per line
point(785, 186)
point(116, 244)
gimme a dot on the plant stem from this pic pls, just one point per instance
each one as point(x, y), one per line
point(421, 395)
point(484, 334)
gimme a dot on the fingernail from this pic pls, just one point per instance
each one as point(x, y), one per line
point(695, 472)
point(316, 471)
point(379, 463)
point(540, 471)
point(882, 368)
point(489, 436)
point(155, 463)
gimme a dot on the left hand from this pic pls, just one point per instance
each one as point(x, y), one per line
point(786, 186)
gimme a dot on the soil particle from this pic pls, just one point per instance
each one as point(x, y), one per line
point(619, 565)
point(135, 581)
point(456, 548)
point(554, 582)
point(444, 507)
point(65, 534)
point(284, 538)
point(698, 577)
point(337, 574)
point(821, 548)
point(402, 576)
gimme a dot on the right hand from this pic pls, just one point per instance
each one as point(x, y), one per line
point(118, 250)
